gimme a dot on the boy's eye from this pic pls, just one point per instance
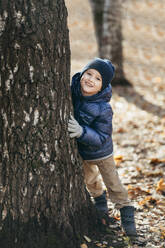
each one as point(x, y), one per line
point(98, 79)
point(88, 73)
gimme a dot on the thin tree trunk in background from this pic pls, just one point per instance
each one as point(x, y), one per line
point(111, 46)
point(97, 10)
point(43, 201)
point(109, 34)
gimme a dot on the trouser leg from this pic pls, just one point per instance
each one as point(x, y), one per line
point(93, 179)
point(117, 192)
point(95, 187)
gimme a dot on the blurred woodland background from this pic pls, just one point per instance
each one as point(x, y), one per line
point(143, 30)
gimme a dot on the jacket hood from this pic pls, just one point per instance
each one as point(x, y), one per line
point(104, 95)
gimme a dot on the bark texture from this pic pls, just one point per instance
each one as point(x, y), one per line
point(43, 202)
point(108, 27)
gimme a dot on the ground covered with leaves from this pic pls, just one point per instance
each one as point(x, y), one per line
point(139, 138)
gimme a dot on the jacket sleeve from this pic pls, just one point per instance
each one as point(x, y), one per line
point(96, 134)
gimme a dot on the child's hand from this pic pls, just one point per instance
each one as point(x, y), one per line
point(74, 128)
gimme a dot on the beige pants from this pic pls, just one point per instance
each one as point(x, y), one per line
point(95, 171)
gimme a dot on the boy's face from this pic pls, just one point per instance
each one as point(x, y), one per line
point(91, 82)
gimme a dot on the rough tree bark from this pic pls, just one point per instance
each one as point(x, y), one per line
point(107, 15)
point(43, 201)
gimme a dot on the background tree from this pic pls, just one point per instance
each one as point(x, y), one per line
point(107, 15)
point(43, 202)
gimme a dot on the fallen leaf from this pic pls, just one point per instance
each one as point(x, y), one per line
point(160, 185)
point(147, 199)
point(162, 231)
point(139, 169)
point(84, 246)
point(154, 174)
point(121, 130)
point(99, 244)
point(116, 217)
point(156, 161)
point(118, 157)
point(154, 229)
point(135, 191)
point(87, 239)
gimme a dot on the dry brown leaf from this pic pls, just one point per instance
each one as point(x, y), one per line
point(121, 130)
point(154, 174)
point(116, 216)
point(139, 169)
point(130, 186)
point(156, 161)
point(118, 157)
point(147, 199)
point(134, 191)
point(154, 229)
point(162, 231)
point(160, 186)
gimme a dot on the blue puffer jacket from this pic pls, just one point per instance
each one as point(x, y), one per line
point(94, 114)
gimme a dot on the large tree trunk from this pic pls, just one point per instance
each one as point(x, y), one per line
point(43, 202)
point(107, 15)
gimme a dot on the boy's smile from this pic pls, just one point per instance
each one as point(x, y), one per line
point(91, 82)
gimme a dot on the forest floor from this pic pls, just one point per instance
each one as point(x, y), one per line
point(139, 141)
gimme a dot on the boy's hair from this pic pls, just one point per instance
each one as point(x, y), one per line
point(104, 67)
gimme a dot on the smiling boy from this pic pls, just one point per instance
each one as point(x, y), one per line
point(92, 127)
point(91, 82)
